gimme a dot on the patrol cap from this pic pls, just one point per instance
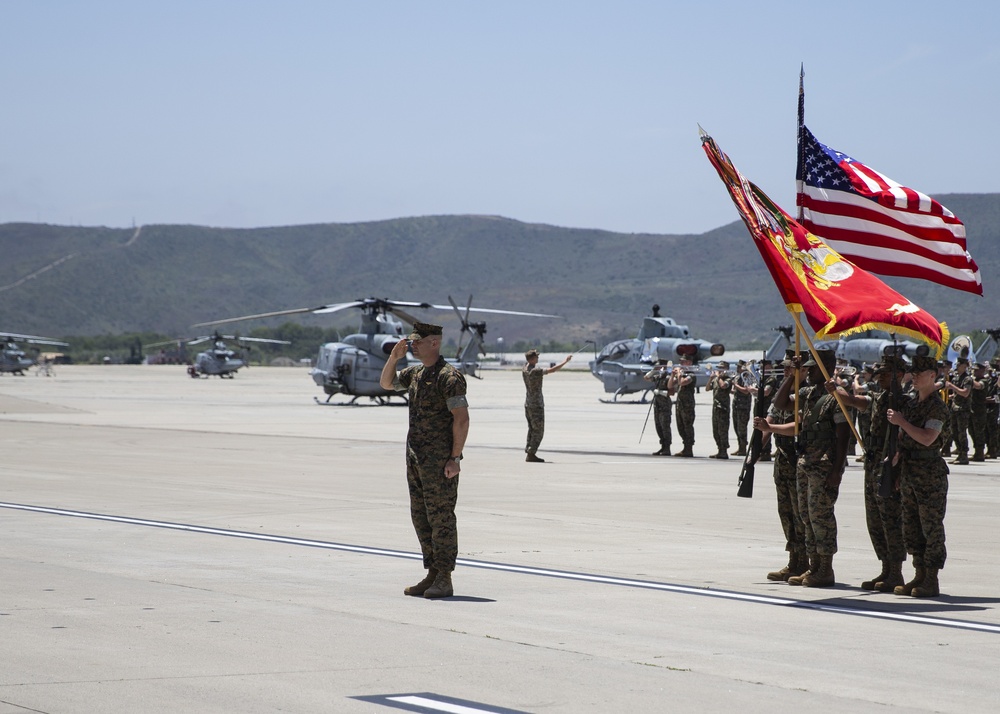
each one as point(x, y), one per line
point(946, 363)
point(423, 329)
point(962, 360)
point(723, 365)
point(886, 365)
point(531, 353)
point(923, 363)
point(741, 363)
point(828, 356)
point(981, 365)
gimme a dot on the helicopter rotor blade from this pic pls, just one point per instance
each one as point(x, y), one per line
point(407, 317)
point(498, 312)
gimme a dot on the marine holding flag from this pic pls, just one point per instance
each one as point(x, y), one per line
point(837, 297)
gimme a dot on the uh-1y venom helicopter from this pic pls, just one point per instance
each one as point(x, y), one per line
point(12, 357)
point(219, 361)
point(352, 367)
point(621, 364)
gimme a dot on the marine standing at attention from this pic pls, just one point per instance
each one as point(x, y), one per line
point(721, 385)
point(439, 426)
point(741, 408)
point(960, 386)
point(822, 449)
point(663, 406)
point(682, 383)
point(534, 403)
point(923, 478)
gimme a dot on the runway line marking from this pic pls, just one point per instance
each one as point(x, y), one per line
point(523, 569)
point(430, 703)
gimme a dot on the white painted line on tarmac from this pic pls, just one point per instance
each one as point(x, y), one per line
point(429, 703)
point(528, 570)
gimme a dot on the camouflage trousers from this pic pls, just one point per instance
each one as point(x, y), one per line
point(924, 487)
point(662, 408)
point(741, 418)
point(977, 424)
point(816, 505)
point(959, 432)
point(788, 503)
point(884, 516)
point(685, 423)
point(536, 427)
point(993, 430)
point(432, 510)
point(720, 427)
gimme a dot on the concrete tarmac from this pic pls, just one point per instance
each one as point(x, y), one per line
point(173, 544)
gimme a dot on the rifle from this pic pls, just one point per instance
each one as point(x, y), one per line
point(745, 486)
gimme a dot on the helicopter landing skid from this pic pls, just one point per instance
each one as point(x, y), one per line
point(644, 399)
point(379, 402)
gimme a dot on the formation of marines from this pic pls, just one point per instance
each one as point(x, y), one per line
point(907, 415)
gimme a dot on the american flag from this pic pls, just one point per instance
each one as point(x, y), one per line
point(878, 224)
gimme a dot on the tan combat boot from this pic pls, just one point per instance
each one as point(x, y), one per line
point(813, 566)
point(907, 588)
point(686, 451)
point(929, 587)
point(789, 570)
point(893, 578)
point(822, 578)
point(420, 588)
point(870, 584)
point(441, 588)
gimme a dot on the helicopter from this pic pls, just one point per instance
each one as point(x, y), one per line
point(621, 364)
point(12, 357)
point(219, 361)
point(353, 366)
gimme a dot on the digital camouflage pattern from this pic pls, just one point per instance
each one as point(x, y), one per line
point(817, 441)
point(785, 486)
point(924, 484)
point(883, 516)
point(977, 416)
point(961, 411)
point(684, 411)
point(534, 406)
point(722, 390)
point(663, 407)
point(741, 418)
point(433, 392)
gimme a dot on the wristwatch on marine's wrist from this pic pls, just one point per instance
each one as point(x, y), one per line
point(456, 459)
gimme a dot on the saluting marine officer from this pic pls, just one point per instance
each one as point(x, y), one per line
point(439, 426)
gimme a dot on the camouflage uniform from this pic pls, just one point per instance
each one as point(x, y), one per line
point(685, 413)
point(534, 406)
point(433, 392)
point(720, 411)
point(924, 484)
point(884, 516)
point(977, 419)
point(741, 418)
point(771, 381)
point(816, 448)
point(961, 410)
point(786, 487)
point(663, 407)
point(992, 417)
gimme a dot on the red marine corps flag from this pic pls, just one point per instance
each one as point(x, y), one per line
point(836, 297)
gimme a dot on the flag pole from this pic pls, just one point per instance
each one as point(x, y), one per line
point(798, 142)
point(826, 376)
point(798, 349)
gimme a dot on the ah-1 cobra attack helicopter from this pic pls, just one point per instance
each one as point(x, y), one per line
point(353, 366)
point(12, 357)
point(621, 364)
point(219, 361)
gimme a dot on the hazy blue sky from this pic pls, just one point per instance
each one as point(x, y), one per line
point(573, 113)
